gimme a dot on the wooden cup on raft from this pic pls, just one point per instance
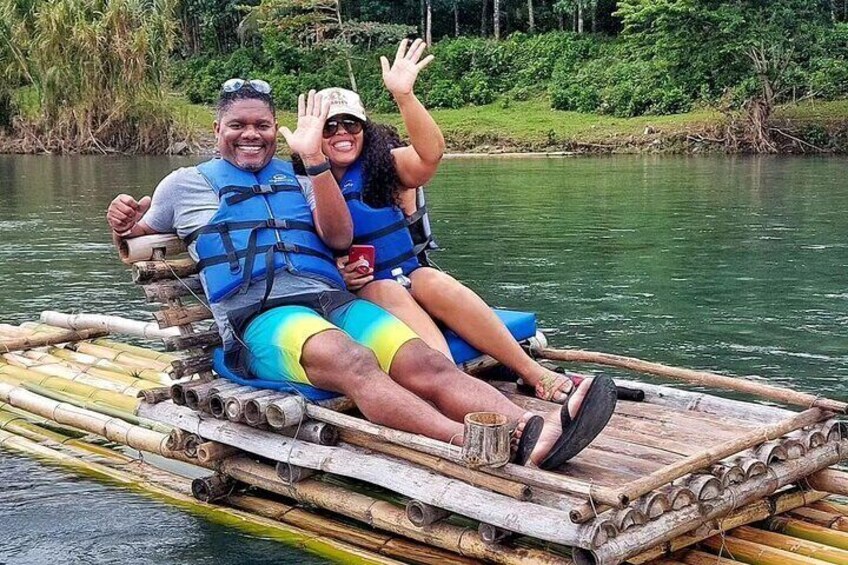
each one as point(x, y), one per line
point(486, 440)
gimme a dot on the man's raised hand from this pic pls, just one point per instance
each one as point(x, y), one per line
point(400, 77)
point(312, 111)
point(125, 211)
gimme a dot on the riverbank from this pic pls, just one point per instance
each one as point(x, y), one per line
point(532, 126)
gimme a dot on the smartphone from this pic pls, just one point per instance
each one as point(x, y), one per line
point(367, 252)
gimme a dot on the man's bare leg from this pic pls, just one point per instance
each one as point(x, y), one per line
point(431, 376)
point(335, 362)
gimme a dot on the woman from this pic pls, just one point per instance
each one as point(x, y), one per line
point(379, 176)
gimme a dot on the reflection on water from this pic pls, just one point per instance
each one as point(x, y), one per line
point(737, 264)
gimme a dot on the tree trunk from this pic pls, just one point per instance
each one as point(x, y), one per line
point(422, 11)
point(350, 74)
point(428, 36)
point(531, 23)
point(455, 18)
point(595, 16)
point(496, 14)
point(580, 17)
point(484, 18)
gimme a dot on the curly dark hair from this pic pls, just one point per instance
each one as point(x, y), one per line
point(380, 182)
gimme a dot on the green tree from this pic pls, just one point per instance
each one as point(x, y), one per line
point(88, 75)
point(752, 51)
point(320, 24)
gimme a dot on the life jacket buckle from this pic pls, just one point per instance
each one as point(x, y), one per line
point(286, 247)
point(262, 189)
point(401, 278)
point(276, 223)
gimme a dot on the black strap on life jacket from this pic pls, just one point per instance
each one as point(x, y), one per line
point(224, 229)
point(394, 261)
point(243, 193)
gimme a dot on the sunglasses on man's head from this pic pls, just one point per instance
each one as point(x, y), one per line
point(236, 84)
point(331, 126)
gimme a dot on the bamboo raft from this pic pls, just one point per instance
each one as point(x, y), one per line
point(675, 478)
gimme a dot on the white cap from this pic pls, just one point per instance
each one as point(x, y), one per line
point(344, 101)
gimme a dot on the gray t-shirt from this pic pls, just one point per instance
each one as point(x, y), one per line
point(184, 201)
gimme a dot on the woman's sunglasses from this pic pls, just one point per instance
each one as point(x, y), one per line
point(236, 84)
point(331, 126)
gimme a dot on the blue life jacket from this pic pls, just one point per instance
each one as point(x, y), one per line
point(263, 224)
point(386, 228)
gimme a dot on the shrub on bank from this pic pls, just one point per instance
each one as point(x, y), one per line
point(584, 73)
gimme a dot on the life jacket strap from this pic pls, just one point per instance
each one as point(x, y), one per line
point(243, 193)
point(389, 263)
point(225, 227)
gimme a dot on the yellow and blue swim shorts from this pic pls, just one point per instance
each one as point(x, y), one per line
point(276, 338)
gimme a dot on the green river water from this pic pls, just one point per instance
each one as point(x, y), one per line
point(731, 264)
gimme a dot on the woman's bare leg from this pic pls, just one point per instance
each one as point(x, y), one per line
point(462, 310)
point(396, 299)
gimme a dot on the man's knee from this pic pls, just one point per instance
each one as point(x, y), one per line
point(426, 363)
point(332, 354)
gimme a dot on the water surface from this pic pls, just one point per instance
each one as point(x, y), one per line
point(731, 264)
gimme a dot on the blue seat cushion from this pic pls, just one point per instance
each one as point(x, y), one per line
point(522, 325)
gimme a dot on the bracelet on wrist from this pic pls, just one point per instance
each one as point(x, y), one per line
point(315, 170)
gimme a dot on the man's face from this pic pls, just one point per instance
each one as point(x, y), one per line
point(247, 134)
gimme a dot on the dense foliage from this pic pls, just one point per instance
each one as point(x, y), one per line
point(60, 58)
point(662, 57)
point(87, 75)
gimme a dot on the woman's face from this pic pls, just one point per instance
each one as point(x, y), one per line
point(339, 144)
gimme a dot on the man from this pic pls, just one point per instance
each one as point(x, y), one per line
point(289, 318)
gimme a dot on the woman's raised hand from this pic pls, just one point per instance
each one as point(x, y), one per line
point(399, 78)
point(312, 111)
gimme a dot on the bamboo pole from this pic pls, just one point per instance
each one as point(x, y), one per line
point(701, 378)
point(517, 473)
point(401, 548)
point(158, 378)
point(756, 553)
point(149, 247)
point(831, 506)
point(399, 476)
point(316, 542)
point(714, 454)
point(64, 372)
point(136, 350)
point(831, 520)
point(112, 324)
point(21, 343)
point(150, 271)
point(812, 532)
point(496, 484)
point(383, 515)
point(674, 524)
point(100, 368)
point(17, 375)
point(113, 429)
point(829, 480)
point(122, 357)
point(747, 514)
point(100, 409)
point(792, 544)
point(700, 558)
